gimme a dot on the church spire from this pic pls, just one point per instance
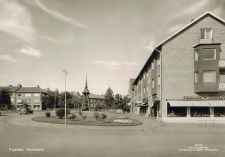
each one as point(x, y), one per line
point(86, 91)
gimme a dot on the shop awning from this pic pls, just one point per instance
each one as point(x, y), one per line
point(197, 103)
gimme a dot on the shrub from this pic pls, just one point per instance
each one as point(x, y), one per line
point(72, 116)
point(103, 116)
point(84, 116)
point(96, 115)
point(48, 114)
point(61, 112)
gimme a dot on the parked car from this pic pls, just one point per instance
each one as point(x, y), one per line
point(26, 111)
point(112, 110)
point(119, 111)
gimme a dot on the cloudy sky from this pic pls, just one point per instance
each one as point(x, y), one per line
point(107, 40)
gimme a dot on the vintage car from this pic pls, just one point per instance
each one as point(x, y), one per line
point(26, 111)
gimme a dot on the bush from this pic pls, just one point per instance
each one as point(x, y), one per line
point(48, 114)
point(71, 116)
point(103, 116)
point(96, 115)
point(61, 112)
point(84, 116)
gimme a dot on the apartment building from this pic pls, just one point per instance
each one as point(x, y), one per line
point(32, 96)
point(183, 80)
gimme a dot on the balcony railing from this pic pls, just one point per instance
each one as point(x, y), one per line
point(206, 41)
point(222, 86)
point(222, 64)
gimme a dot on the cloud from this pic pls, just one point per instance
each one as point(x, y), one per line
point(109, 65)
point(16, 20)
point(131, 63)
point(194, 8)
point(30, 51)
point(7, 58)
point(59, 16)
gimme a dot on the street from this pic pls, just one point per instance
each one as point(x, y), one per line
point(70, 141)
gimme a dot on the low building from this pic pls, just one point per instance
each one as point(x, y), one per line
point(183, 80)
point(96, 100)
point(32, 96)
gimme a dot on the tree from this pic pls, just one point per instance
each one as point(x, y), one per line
point(109, 100)
point(5, 100)
point(51, 100)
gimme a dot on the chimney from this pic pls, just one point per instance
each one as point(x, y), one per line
point(19, 85)
point(10, 86)
point(38, 86)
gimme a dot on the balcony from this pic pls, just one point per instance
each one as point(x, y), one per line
point(206, 41)
point(222, 64)
point(222, 86)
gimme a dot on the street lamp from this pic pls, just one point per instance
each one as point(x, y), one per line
point(65, 73)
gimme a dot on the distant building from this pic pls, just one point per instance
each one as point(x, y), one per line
point(183, 80)
point(32, 96)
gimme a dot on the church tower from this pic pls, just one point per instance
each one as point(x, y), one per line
point(86, 103)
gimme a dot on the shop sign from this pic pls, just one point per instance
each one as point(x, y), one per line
point(220, 97)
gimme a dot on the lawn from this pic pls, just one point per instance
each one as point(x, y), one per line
point(90, 120)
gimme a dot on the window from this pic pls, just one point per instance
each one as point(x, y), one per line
point(206, 33)
point(159, 80)
point(158, 62)
point(200, 111)
point(153, 82)
point(18, 100)
point(19, 94)
point(219, 111)
point(36, 100)
point(28, 95)
point(153, 65)
point(144, 90)
point(147, 88)
point(209, 54)
point(196, 55)
point(12, 99)
point(196, 77)
point(209, 76)
point(176, 111)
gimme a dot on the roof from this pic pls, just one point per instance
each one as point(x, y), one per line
point(31, 90)
point(93, 96)
point(158, 46)
point(10, 88)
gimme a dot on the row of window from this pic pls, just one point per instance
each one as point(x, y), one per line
point(195, 111)
point(95, 100)
point(28, 95)
point(26, 100)
point(208, 76)
point(30, 106)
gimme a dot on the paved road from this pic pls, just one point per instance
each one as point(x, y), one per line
point(151, 139)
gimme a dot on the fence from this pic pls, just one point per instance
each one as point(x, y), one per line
point(211, 123)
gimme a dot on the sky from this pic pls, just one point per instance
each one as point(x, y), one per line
point(107, 41)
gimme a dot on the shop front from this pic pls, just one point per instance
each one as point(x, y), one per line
point(194, 111)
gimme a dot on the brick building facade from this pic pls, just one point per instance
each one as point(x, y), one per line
point(32, 96)
point(183, 80)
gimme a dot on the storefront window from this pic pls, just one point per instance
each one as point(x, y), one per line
point(219, 111)
point(177, 111)
point(200, 111)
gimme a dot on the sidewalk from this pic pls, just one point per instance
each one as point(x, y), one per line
point(149, 124)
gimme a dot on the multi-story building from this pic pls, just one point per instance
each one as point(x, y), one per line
point(183, 80)
point(32, 96)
